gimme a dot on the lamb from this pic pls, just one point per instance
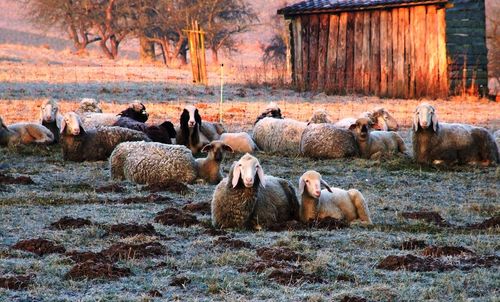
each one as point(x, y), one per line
point(376, 144)
point(328, 141)
point(249, 199)
point(435, 142)
point(162, 133)
point(24, 134)
point(380, 118)
point(94, 144)
point(271, 110)
point(280, 136)
point(241, 142)
point(330, 202)
point(51, 118)
point(160, 164)
point(190, 134)
point(136, 111)
point(319, 116)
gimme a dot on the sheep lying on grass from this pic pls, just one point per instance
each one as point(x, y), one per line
point(380, 118)
point(88, 105)
point(241, 142)
point(24, 134)
point(79, 144)
point(330, 202)
point(376, 144)
point(249, 199)
point(136, 111)
point(435, 142)
point(160, 164)
point(327, 141)
point(281, 136)
point(51, 118)
point(319, 116)
point(162, 133)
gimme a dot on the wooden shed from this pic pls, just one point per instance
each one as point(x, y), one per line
point(389, 48)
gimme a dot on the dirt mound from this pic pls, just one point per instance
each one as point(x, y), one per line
point(173, 216)
point(438, 251)
point(18, 282)
point(353, 299)
point(413, 263)
point(479, 261)
point(85, 256)
point(123, 251)
point(279, 254)
point(151, 198)
point(292, 225)
point(39, 246)
point(328, 223)
point(199, 207)
point(175, 187)
point(261, 265)
point(11, 180)
point(345, 278)
point(293, 276)
point(97, 270)
point(180, 281)
point(492, 222)
point(155, 293)
point(428, 216)
point(412, 244)
point(70, 223)
point(112, 188)
point(233, 243)
point(132, 229)
point(214, 232)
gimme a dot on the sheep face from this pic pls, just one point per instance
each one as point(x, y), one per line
point(48, 111)
point(190, 117)
point(383, 120)
point(71, 124)
point(425, 116)
point(216, 150)
point(362, 128)
point(310, 182)
point(248, 169)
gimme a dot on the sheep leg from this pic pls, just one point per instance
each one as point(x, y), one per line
point(401, 144)
point(360, 205)
point(37, 136)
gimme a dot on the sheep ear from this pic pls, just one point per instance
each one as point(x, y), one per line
point(184, 117)
point(434, 120)
point(227, 148)
point(327, 186)
point(197, 117)
point(415, 121)
point(82, 131)
point(302, 184)
point(262, 177)
point(63, 126)
point(207, 148)
point(352, 127)
point(236, 175)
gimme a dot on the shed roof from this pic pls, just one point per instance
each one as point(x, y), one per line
point(325, 6)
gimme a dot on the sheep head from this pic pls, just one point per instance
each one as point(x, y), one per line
point(71, 124)
point(362, 128)
point(249, 170)
point(271, 110)
point(383, 120)
point(216, 150)
point(190, 117)
point(425, 116)
point(136, 111)
point(310, 182)
point(48, 111)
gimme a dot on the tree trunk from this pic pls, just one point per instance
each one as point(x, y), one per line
point(147, 50)
point(105, 49)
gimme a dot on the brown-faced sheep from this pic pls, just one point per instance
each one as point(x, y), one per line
point(380, 118)
point(376, 144)
point(79, 144)
point(435, 142)
point(330, 202)
point(249, 199)
point(24, 134)
point(328, 141)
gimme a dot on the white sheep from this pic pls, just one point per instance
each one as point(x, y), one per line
point(79, 144)
point(51, 118)
point(159, 164)
point(24, 134)
point(376, 144)
point(327, 141)
point(249, 199)
point(436, 143)
point(135, 110)
point(330, 202)
point(241, 142)
point(281, 136)
point(380, 118)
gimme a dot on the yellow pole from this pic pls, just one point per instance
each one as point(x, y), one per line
point(221, 91)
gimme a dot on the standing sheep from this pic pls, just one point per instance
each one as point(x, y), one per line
point(328, 141)
point(24, 134)
point(249, 199)
point(51, 118)
point(436, 143)
point(160, 164)
point(330, 202)
point(380, 118)
point(280, 136)
point(376, 144)
point(94, 144)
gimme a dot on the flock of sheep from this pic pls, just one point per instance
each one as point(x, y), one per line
point(248, 197)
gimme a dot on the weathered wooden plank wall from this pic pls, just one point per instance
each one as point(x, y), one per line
point(398, 52)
